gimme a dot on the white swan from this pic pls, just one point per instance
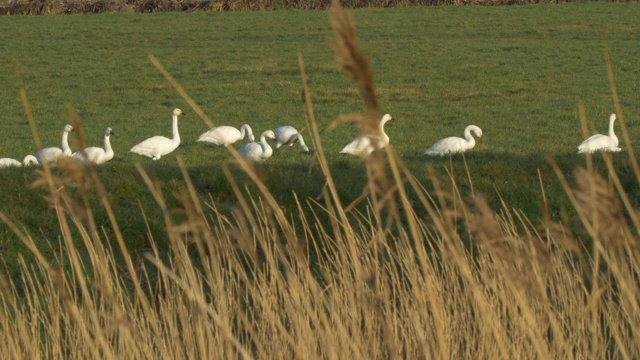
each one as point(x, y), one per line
point(259, 151)
point(289, 135)
point(97, 155)
point(28, 160)
point(453, 145)
point(51, 154)
point(601, 142)
point(225, 135)
point(158, 146)
point(364, 145)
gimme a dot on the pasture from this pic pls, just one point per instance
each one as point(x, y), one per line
point(520, 73)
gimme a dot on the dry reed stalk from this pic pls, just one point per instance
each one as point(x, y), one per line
point(353, 61)
point(356, 66)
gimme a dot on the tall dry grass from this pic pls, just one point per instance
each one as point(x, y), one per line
point(466, 281)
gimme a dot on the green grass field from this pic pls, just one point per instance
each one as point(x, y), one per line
point(517, 72)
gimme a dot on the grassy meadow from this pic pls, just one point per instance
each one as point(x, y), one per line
point(519, 73)
point(191, 256)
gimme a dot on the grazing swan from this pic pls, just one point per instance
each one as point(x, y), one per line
point(225, 135)
point(259, 151)
point(453, 145)
point(363, 145)
point(97, 155)
point(289, 135)
point(28, 160)
point(158, 146)
point(601, 142)
point(51, 154)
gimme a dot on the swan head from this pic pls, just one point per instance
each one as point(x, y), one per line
point(476, 130)
point(269, 134)
point(108, 132)
point(386, 118)
point(177, 112)
point(612, 117)
point(68, 128)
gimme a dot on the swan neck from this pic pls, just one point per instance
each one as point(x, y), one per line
point(266, 149)
point(471, 141)
point(245, 131)
point(65, 143)
point(468, 136)
point(611, 133)
point(176, 135)
point(382, 123)
point(107, 145)
point(29, 160)
point(301, 140)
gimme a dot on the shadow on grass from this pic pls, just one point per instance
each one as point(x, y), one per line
point(514, 180)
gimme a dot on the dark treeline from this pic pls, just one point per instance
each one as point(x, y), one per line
point(43, 7)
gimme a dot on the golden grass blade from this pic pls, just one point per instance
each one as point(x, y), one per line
point(352, 60)
point(181, 91)
point(202, 304)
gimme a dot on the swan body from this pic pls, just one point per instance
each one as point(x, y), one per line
point(225, 135)
point(454, 145)
point(28, 160)
point(289, 135)
point(158, 146)
point(259, 151)
point(52, 154)
point(601, 142)
point(365, 145)
point(97, 155)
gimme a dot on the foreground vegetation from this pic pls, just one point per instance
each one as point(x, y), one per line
point(185, 259)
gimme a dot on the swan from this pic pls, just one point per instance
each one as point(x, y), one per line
point(28, 160)
point(259, 151)
point(51, 154)
point(158, 146)
point(225, 135)
point(453, 145)
point(97, 155)
point(601, 142)
point(363, 145)
point(289, 135)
